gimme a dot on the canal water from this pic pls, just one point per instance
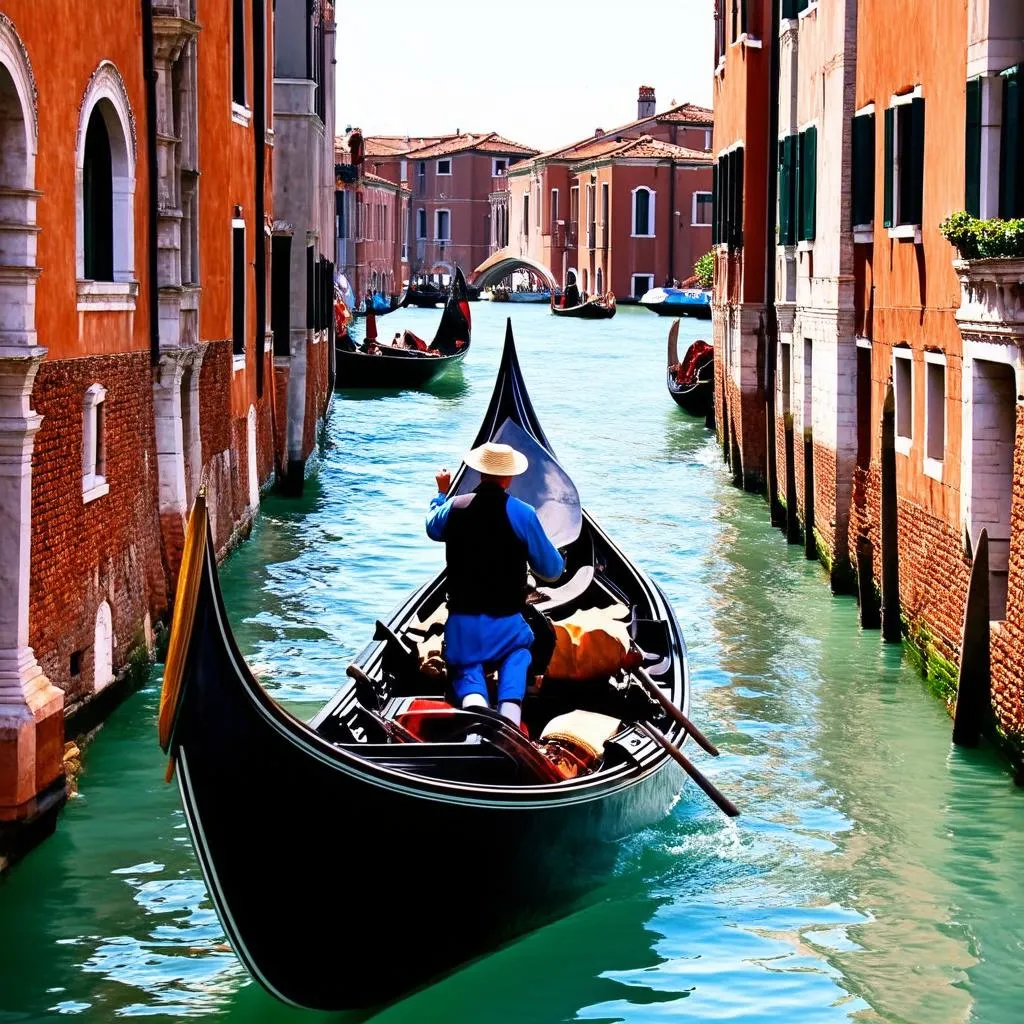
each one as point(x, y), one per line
point(876, 872)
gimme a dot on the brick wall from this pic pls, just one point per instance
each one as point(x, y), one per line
point(316, 393)
point(106, 550)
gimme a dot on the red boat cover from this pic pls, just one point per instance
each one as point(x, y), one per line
point(695, 355)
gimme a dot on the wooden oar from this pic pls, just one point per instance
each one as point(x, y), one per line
point(723, 803)
point(674, 713)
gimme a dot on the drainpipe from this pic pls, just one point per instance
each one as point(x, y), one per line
point(771, 326)
point(672, 227)
point(259, 124)
point(149, 75)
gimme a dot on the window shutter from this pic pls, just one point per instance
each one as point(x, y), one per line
point(743, 16)
point(715, 236)
point(864, 169)
point(784, 178)
point(789, 9)
point(802, 5)
point(972, 181)
point(889, 131)
point(738, 184)
point(808, 182)
point(1011, 165)
point(915, 192)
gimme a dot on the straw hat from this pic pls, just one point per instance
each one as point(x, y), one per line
point(497, 460)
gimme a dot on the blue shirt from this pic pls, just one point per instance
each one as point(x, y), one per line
point(474, 639)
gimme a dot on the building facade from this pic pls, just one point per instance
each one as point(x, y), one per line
point(627, 209)
point(133, 363)
point(893, 366)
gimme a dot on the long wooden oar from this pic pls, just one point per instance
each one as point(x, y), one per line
point(723, 803)
point(674, 713)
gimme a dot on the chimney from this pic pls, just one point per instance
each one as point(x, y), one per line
point(645, 102)
point(598, 132)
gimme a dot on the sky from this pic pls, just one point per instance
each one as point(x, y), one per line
point(540, 72)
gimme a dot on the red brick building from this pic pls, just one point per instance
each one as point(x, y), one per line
point(893, 367)
point(133, 316)
point(626, 208)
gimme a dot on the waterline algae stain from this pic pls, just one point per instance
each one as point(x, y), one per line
point(873, 876)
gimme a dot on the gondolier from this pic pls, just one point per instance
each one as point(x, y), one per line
point(490, 537)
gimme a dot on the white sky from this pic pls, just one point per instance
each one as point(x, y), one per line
point(541, 72)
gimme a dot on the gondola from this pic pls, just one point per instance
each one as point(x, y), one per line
point(426, 296)
point(691, 382)
point(695, 302)
point(348, 867)
point(601, 307)
point(394, 302)
point(410, 368)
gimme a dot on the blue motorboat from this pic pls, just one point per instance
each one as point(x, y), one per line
point(695, 302)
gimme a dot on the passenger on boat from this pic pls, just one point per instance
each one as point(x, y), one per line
point(489, 538)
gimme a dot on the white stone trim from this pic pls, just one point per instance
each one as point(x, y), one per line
point(632, 282)
point(106, 296)
point(903, 98)
point(241, 114)
point(437, 224)
point(14, 57)
point(807, 11)
point(437, 169)
point(864, 343)
point(494, 166)
point(868, 108)
point(747, 40)
point(694, 223)
point(94, 481)
point(651, 210)
point(103, 648)
point(906, 232)
point(237, 362)
point(107, 86)
point(251, 456)
point(863, 234)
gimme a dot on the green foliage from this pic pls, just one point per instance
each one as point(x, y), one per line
point(983, 239)
point(704, 268)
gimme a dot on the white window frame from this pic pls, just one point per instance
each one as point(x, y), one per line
point(553, 211)
point(651, 208)
point(495, 170)
point(933, 466)
point(632, 281)
point(421, 237)
point(444, 174)
point(403, 171)
point(693, 218)
point(94, 483)
point(524, 218)
point(405, 237)
point(238, 358)
point(903, 443)
point(900, 230)
point(437, 224)
point(785, 393)
point(119, 294)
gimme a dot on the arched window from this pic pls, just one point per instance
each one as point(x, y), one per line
point(105, 162)
point(600, 281)
point(586, 280)
point(643, 212)
point(254, 476)
point(103, 648)
point(373, 280)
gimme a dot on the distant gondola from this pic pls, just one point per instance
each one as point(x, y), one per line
point(691, 382)
point(410, 367)
point(352, 861)
point(572, 304)
point(382, 309)
point(426, 296)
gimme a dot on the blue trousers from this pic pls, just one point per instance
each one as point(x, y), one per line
point(476, 643)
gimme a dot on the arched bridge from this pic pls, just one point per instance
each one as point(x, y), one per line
point(500, 264)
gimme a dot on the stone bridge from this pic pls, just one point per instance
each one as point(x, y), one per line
point(500, 264)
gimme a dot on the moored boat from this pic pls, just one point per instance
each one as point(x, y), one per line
point(426, 296)
point(690, 382)
point(384, 366)
point(351, 862)
point(571, 303)
point(695, 302)
point(381, 305)
point(542, 296)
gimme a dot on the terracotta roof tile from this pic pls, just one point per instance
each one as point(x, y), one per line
point(488, 142)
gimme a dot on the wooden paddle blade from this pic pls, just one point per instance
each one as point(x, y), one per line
point(721, 801)
point(674, 713)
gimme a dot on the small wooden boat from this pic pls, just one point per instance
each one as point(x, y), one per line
point(601, 307)
point(426, 296)
point(381, 366)
point(690, 383)
point(544, 296)
point(695, 302)
point(349, 866)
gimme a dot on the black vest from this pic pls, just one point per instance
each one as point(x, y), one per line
point(486, 560)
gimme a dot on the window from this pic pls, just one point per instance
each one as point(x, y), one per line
point(238, 52)
point(972, 149)
point(280, 292)
point(701, 209)
point(739, 18)
point(97, 201)
point(727, 190)
point(904, 165)
point(499, 165)
point(643, 212)
point(863, 212)
point(808, 190)
point(786, 375)
point(444, 166)
point(94, 446)
point(554, 210)
point(405, 238)
point(642, 284)
point(792, 8)
point(537, 204)
point(934, 413)
point(403, 171)
point(808, 371)
point(864, 421)
point(604, 204)
point(238, 288)
point(526, 216)
point(442, 225)
point(421, 224)
point(1011, 147)
point(903, 386)
point(311, 283)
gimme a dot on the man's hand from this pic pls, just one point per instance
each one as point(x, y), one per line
point(444, 480)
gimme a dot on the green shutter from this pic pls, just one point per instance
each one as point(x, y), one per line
point(972, 179)
point(784, 208)
point(914, 192)
point(738, 185)
point(889, 131)
point(864, 169)
point(789, 9)
point(808, 182)
point(743, 15)
point(725, 206)
point(801, 5)
point(1011, 165)
point(714, 203)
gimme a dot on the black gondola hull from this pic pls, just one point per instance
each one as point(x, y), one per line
point(698, 311)
point(696, 399)
point(358, 370)
point(586, 311)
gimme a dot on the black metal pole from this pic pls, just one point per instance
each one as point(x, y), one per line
point(149, 74)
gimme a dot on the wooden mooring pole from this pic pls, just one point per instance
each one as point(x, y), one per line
point(974, 687)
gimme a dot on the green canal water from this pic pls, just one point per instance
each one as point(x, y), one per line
point(877, 873)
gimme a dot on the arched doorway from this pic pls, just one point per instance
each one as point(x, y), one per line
point(103, 648)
